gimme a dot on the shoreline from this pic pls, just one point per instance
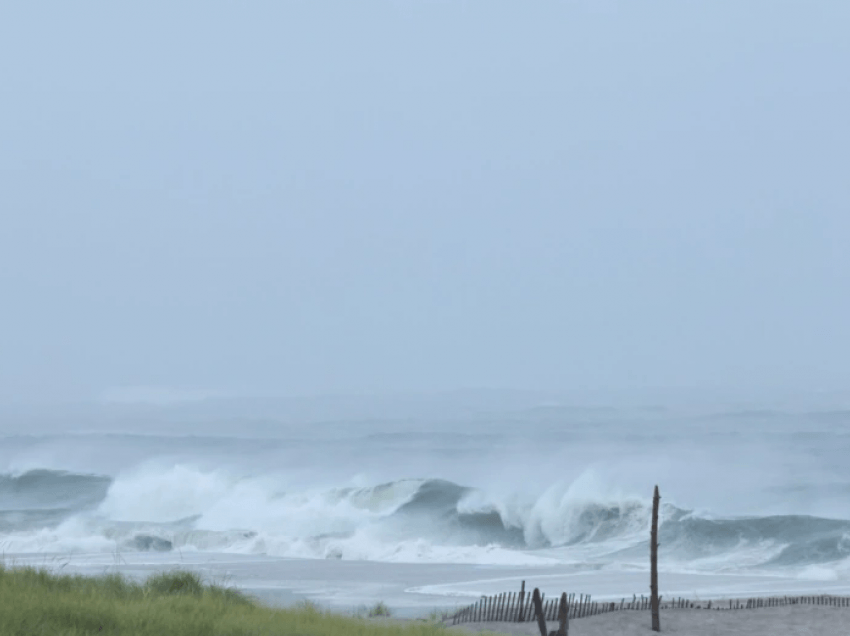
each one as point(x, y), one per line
point(817, 616)
point(414, 590)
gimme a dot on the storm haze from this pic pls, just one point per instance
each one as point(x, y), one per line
point(311, 198)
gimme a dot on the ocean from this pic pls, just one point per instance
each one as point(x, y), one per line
point(430, 504)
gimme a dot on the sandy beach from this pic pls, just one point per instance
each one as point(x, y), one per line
point(799, 620)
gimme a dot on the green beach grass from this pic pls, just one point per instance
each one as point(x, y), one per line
point(37, 602)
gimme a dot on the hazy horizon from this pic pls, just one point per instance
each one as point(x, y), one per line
point(296, 199)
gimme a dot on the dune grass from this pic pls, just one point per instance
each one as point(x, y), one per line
point(379, 609)
point(37, 602)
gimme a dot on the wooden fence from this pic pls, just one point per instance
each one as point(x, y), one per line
point(518, 607)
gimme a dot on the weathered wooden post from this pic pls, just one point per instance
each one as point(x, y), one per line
point(538, 610)
point(563, 616)
point(521, 618)
point(653, 556)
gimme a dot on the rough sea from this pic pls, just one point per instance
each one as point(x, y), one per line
point(445, 498)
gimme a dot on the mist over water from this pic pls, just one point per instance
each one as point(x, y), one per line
point(743, 490)
point(206, 204)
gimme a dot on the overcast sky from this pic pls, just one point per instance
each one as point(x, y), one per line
point(310, 197)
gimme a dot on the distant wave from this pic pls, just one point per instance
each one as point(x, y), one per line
point(44, 498)
point(49, 488)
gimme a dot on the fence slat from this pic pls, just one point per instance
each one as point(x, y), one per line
point(538, 611)
point(521, 603)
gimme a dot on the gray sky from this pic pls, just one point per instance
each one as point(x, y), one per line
point(309, 197)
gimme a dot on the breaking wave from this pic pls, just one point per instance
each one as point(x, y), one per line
point(411, 520)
